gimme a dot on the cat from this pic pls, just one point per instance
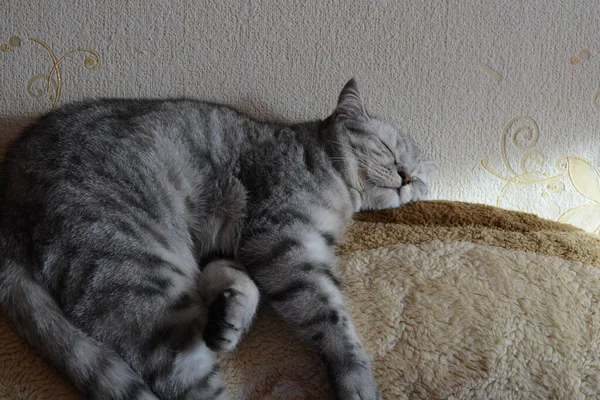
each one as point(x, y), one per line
point(137, 236)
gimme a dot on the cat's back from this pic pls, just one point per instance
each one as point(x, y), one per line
point(96, 122)
point(94, 134)
point(137, 154)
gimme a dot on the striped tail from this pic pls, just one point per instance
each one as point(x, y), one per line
point(96, 370)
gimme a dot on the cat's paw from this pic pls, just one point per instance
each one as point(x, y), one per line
point(230, 315)
point(357, 384)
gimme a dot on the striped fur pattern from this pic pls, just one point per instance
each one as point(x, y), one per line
point(136, 237)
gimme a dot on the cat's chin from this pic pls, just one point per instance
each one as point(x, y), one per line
point(405, 195)
point(381, 199)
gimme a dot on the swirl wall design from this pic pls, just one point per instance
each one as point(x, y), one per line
point(567, 173)
point(49, 85)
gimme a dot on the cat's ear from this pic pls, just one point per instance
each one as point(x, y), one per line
point(350, 105)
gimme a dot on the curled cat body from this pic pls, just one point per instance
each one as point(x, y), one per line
point(138, 236)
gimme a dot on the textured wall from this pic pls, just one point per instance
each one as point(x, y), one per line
point(505, 95)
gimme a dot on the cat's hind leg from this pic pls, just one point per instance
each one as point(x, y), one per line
point(232, 298)
point(165, 346)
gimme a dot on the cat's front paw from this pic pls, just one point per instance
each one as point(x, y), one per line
point(357, 384)
point(229, 316)
point(232, 298)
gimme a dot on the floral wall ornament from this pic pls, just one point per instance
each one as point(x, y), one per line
point(572, 175)
point(582, 56)
point(50, 84)
point(12, 43)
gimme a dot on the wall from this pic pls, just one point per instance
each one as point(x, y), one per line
point(505, 95)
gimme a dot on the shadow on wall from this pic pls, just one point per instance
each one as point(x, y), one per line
point(10, 128)
point(258, 110)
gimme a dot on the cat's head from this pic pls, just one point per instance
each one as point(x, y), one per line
point(376, 160)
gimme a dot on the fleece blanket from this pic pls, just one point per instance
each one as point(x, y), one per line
point(452, 300)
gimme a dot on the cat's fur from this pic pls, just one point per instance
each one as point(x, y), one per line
point(134, 235)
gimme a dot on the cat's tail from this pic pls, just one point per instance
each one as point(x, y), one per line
point(96, 370)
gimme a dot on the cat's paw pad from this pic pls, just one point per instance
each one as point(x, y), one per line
point(229, 316)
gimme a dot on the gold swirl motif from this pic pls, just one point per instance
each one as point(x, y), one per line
point(523, 133)
point(562, 163)
point(13, 43)
point(52, 81)
point(532, 157)
point(49, 86)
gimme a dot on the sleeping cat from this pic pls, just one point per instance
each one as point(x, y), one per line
point(136, 237)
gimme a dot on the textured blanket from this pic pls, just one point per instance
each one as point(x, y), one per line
point(452, 300)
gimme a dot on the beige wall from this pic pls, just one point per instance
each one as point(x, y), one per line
point(418, 64)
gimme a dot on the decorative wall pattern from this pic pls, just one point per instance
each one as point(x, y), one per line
point(571, 175)
point(49, 85)
point(451, 73)
point(51, 82)
point(12, 43)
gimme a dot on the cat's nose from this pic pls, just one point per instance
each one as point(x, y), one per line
point(406, 180)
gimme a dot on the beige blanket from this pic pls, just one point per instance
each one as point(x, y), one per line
point(452, 300)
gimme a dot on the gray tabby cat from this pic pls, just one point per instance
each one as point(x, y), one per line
point(136, 236)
